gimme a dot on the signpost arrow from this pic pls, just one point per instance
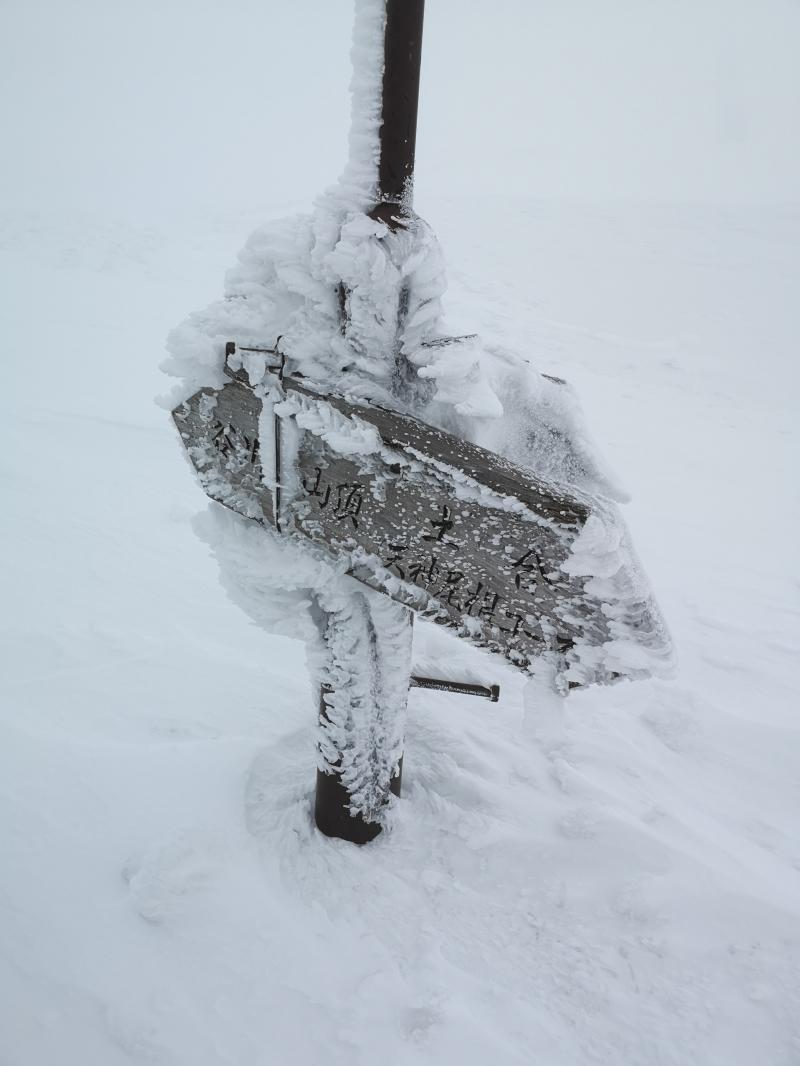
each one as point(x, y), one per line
point(427, 523)
point(440, 525)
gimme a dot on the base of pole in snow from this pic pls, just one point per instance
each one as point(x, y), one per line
point(332, 805)
point(332, 814)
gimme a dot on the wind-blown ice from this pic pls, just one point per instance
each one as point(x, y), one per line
point(358, 645)
point(356, 307)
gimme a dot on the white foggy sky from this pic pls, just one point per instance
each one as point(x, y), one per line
point(132, 107)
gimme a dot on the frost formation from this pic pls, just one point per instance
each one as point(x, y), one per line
point(294, 279)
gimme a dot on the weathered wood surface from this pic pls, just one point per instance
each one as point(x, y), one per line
point(402, 431)
point(441, 525)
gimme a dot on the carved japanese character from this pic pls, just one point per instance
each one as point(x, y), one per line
point(484, 599)
point(230, 442)
point(448, 588)
point(223, 438)
point(397, 550)
point(517, 627)
point(316, 490)
point(529, 572)
point(348, 502)
point(442, 527)
point(426, 569)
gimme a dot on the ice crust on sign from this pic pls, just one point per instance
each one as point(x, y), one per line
point(286, 288)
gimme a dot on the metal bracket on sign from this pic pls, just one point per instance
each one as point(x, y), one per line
point(241, 375)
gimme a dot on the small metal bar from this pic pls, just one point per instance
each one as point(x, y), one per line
point(441, 342)
point(231, 349)
point(487, 692)
point(237, 375)
point(277, 428)
point(241, 376)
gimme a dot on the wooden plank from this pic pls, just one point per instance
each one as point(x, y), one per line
point(460, 535)
point(479, 568)
point(404, 431)
point(496, 473)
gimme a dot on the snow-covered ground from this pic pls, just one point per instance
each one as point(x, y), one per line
point(615, 879)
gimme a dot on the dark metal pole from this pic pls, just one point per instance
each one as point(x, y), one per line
point(377, 637)
point(402, 49)
point(398, 136)
point(332, 813)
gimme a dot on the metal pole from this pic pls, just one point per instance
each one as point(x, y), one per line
point(402, 48)
point(334, 811)
point(361, 711)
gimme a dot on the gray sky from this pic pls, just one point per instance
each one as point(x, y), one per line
point(150, 106)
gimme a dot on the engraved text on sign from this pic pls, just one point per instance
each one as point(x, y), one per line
point(461, 550)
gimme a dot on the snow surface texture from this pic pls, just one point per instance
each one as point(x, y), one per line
point(286, 293)
point(614, 879)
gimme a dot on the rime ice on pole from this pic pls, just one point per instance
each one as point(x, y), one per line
point(289, 283)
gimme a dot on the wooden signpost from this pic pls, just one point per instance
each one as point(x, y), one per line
point(456, 533)
point(434, 524)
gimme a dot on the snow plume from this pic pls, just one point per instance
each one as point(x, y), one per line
point(639, 644)
point(493, 397)
point(267, 576)
point(356, 304)
point(356, 307)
